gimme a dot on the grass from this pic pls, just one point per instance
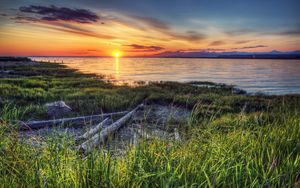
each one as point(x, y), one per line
point(88, 94)
point(231, 140)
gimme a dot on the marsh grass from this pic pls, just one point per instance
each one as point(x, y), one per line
point(230, 140)
point(242, 150)
point(89, 94)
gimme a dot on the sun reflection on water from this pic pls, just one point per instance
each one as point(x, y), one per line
point(117, 67)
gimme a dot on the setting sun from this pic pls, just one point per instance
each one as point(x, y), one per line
point(117, 54)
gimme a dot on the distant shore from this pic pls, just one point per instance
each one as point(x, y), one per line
point(258, 56)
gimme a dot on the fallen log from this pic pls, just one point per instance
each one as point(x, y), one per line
point(95, 130)
point(74, 120)
point(103, 135)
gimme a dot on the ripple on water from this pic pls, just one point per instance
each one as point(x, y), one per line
point(253, 75)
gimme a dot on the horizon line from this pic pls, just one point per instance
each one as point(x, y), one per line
point(229, 57)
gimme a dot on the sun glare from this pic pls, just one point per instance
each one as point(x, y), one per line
point(117, 54)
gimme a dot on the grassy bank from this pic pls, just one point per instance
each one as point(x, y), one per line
point(231, 140)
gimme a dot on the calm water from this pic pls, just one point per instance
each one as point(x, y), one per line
point(267, 76)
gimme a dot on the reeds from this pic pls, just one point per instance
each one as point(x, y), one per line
point(242, 150)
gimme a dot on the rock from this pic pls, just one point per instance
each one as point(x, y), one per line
point(238, 91)
point(58, 109)
point(6, 71)
point(160, 114)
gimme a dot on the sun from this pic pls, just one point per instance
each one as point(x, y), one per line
point(117, 53)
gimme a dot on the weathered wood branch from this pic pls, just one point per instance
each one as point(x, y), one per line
point(95, 129)
point(103, 135)
point(74, 120)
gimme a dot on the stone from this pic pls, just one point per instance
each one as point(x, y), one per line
point(238, 91)
point(58, 109)
point(161, 114)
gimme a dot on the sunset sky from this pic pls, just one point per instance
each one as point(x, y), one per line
point(145, 27)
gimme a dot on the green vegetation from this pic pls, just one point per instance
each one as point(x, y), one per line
point(230, 140)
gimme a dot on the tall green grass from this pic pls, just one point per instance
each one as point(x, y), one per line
point(258, 149)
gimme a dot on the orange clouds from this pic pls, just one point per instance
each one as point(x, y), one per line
point(62, 31)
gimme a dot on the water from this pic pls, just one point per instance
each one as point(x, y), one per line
point(253, 75)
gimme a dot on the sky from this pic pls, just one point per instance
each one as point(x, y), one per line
point(146, 27)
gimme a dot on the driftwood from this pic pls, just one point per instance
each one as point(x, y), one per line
point(95, 130)
point(103, 135)
point(74, 120)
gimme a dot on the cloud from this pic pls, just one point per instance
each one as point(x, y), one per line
point(295, 31)
point(64, 27)
point(94, 50)
point(238, 32)
point(203, 50)
point(78, 30)
point(25, 19)
point(87, 52)
point(217, 43)
point(194, 35)
point(73, 21)
point(242, 41)
point(191, 36)
point(250, 47)
point(53, 13)
point(153, 22)
point(141, 48)
point(164, 28)
point(60, 19)
point(290, 32)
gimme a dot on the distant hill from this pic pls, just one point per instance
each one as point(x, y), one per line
point(234, 54)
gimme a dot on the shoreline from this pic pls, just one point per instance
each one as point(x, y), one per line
point(129, 79)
